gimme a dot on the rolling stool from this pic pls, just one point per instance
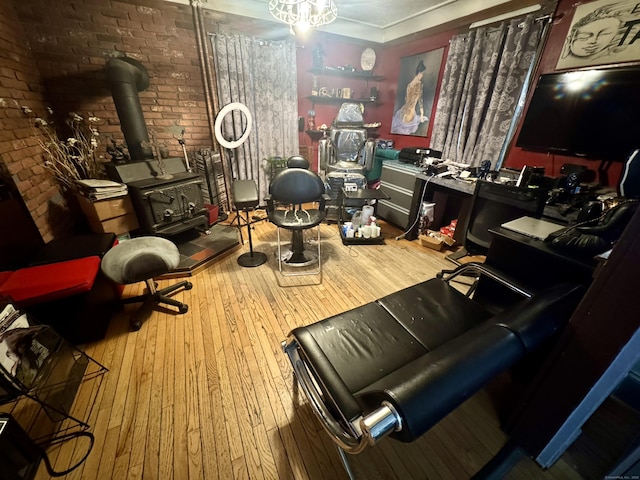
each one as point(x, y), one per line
point(141, 259)
point(245, 197)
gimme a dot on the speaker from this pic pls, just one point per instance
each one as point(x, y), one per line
point(300, 124)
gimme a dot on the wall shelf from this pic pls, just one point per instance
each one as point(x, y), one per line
point(346, 73)
point(340, 100)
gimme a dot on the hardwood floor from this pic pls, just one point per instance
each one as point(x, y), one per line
point(209, 394)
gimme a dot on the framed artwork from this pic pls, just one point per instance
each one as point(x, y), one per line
point(417, 82)
point(602, 32)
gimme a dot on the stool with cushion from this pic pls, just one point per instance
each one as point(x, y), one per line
point(140, 260)
point(245, 197)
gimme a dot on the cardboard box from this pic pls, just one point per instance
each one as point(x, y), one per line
point(105, 209)
point(118, 225)
point(436, 240)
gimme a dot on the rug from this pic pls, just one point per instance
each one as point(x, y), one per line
point(198, 250)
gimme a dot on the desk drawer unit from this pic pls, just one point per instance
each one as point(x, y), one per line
point(399, 183)
point(392, 213)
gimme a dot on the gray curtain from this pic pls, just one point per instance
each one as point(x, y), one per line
point(261, 75)
point(483, 78)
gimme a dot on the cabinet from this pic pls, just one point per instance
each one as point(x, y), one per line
point(110, 215)
point(399, 181)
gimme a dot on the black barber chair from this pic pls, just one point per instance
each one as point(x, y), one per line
point(397, 366)
point(289, 190)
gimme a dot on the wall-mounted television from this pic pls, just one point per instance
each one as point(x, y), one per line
point(592, 114)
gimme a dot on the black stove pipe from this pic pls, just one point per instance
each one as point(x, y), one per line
point(126, 78)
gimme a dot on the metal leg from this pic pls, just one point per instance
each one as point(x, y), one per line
point(313, 257)
point(345, 464)
point(251, 259)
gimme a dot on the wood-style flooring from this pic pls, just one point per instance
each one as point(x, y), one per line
point(208, 394)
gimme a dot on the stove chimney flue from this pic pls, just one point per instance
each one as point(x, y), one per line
point(126, 78)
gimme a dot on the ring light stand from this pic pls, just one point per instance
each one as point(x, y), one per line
point(251, 258)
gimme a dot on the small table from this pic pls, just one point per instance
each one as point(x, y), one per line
point(361, 194)
point(531, 262)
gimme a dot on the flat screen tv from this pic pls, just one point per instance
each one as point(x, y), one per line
point(593, 114)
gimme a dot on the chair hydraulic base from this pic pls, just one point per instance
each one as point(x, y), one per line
point(297, 255)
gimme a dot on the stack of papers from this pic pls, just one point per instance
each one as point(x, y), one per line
point(101, 189)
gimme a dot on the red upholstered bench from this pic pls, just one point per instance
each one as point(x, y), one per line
point(46, 283)
point(63, 286)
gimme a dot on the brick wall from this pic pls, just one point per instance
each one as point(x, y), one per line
point(20, 84)
point(70, 42)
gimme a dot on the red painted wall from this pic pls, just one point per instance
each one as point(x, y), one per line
point(340, 51)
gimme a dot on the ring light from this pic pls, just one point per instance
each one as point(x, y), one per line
point(218, 125)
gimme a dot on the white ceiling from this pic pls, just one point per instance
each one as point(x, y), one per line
point(380, 21)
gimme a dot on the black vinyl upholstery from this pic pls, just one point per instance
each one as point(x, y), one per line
point(423, 350)
point(289, 191)
point(295, 186)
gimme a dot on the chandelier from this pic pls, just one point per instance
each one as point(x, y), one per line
point(303, 14)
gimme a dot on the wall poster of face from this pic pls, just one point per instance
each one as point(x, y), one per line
point(602, 32)
point(417, 84)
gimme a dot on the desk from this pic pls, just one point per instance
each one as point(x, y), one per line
point(532, 262)
point(452, 198)
point(360, 194)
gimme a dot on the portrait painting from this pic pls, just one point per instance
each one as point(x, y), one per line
point(602, 32)
point(417, 82)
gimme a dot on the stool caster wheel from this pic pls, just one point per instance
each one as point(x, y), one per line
point(135, 325)
point(183, 309)
point(188, 286)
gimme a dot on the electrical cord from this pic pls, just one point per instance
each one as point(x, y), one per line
point(62, 439)
point(415, 222)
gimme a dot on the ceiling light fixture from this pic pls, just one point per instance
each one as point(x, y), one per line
point(303, 14)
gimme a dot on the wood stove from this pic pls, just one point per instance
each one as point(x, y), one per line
point(167, 198)
point(163, 205)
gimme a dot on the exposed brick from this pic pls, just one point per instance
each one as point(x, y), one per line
point(114, 13)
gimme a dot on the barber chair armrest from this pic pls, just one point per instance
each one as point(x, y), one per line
point(426, 390)
point(343, 432)
point(269, 200)
point(477, 269)
point(324, 199)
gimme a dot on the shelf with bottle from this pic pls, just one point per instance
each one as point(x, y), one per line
point(341, 100)
point(345, 72)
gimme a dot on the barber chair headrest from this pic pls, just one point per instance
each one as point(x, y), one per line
point(349, 115)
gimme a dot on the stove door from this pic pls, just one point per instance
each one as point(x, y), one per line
point(172, 208)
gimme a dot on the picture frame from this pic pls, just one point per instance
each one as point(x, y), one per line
point(602, 32)
point(417, 83)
